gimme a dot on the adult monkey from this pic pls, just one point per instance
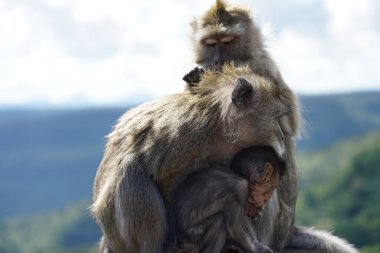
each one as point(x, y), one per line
point(154, 145)
point(228, 33)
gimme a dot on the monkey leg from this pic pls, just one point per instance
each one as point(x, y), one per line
point(242, 233)
point(140, 213)
point(215, 237)
point(315, 241)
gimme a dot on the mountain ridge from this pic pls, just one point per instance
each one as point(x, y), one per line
point(48, 158)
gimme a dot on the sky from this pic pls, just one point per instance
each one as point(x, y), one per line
point(96, 52)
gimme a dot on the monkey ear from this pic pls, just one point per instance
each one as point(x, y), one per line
point(242, 94)
point(268, 171)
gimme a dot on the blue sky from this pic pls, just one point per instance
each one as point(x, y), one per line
point(80, 52)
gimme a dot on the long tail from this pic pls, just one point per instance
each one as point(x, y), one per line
point(317, 240)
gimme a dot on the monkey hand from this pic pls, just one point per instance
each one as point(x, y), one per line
point(232, 247)
point(194, 77)
point(261, 248)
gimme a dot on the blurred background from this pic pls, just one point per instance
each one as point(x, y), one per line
point(70, 68)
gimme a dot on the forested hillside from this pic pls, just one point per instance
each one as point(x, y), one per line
point(340, 190)
point(48, 159)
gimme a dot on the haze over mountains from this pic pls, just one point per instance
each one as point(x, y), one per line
point(48, 160)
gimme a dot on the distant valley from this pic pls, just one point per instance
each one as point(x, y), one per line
point(48, 160)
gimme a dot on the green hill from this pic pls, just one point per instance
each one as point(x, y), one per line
point(48, 159)
point(339, 190)
point(67, 230)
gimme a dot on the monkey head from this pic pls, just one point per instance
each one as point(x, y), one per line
point(254, 163)
point(263, 169)
point(254, 111)
point(224, 33)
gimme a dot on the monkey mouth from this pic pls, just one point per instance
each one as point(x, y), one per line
point(217, 65)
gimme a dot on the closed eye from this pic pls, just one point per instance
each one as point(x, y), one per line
point(227, 39)
point(210, 42)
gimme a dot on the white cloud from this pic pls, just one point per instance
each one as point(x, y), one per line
point(109, 52)
point(342, 58)
point(65, 61)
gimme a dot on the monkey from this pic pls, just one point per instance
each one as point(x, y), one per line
point(262, 168)
point(154, 144)
point(227, 33)
point(212, 203)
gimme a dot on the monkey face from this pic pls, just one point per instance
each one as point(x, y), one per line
point(222, 35)
point(218, 49)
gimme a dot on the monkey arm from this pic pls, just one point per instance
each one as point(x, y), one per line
point(133, 219)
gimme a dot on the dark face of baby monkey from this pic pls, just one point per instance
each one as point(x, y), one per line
point(211, 207)
point(262, 167)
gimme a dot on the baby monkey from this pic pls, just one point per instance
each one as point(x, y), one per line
point(211, 206)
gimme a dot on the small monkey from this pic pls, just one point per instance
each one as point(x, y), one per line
point(263, 169)
point(211, 205)
point(153, 145)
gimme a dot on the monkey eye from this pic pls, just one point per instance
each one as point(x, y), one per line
point(227, 39)
point(210, 41)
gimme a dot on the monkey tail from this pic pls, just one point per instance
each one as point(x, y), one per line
point(310, 239)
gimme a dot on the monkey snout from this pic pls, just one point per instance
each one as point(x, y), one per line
point(220, 57)
point(280, 142)
point(279, 149)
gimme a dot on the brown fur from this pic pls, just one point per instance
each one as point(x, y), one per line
point(155, 144)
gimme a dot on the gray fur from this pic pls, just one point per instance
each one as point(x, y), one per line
point(317, 241)
point(210, 205)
